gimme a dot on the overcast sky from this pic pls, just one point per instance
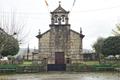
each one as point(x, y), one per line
point(96, 17)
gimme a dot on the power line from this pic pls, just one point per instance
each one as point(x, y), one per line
point(101, 9)
point(42, 13)
point(22, 13)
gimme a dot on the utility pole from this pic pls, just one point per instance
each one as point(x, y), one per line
point(28, 51)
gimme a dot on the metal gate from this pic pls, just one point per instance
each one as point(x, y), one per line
point(59, 63)
point(56, 67)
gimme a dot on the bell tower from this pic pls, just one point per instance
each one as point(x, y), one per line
point(60, 30)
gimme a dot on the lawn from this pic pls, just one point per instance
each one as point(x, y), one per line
point(26, 63)
point(90, 62)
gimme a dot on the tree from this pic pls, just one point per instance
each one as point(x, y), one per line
point(111, 46)
point(117, 31)
point(14, 34)
point(8, 44)
point(9, 23)
point(97, 46)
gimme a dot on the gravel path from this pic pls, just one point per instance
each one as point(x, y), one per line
point(64, 76)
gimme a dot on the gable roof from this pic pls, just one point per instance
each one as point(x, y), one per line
point(60, 10)
point(40, 35)
point(75, 32)
point(81, 35)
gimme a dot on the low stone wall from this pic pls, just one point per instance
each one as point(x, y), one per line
point(69, 68)
point(23, 69)
point(79, 68)
point(30, 69)
point(88, 68)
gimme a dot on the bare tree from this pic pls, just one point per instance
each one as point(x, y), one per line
point(13, 28)
point(9, 26)
point(117, 31)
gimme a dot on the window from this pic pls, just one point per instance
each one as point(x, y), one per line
point(68, 61)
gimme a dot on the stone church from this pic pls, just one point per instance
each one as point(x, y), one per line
point(60, 44)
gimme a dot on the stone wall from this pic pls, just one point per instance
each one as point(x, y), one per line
point(56, 41)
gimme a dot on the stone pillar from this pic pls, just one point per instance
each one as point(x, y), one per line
point(81, 44)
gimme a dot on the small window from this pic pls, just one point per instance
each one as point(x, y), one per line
point(68, 61)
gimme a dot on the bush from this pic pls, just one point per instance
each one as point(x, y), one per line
point(102, 65)
point(77, 67)
point(116, 65)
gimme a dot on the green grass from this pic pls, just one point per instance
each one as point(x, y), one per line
point(90, 62)
point(116, 65)
point(26, 63)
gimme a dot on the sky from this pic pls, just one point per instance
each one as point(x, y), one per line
point(96, 17)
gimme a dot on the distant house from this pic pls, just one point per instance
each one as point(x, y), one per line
point(27, 55)
point(89, 55)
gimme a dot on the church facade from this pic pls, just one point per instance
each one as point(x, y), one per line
point(60, 44)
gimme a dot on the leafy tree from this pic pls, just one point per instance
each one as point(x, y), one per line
point(97, 46)
point(111, 46)
point(8, 44)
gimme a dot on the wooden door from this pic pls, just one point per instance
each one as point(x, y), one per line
point(59, 57)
